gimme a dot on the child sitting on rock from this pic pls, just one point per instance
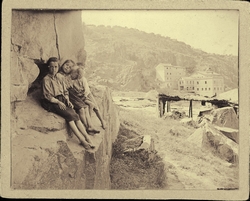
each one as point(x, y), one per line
point(56, 99)
point(80, 87)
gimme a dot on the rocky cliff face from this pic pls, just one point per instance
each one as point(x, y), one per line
point(38, 35)
point(45, 154)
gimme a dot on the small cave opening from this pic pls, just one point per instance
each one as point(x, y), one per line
point(36, 85)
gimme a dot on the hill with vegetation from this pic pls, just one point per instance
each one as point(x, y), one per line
point(125, 59)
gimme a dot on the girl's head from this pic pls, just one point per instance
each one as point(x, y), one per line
point(67, 66)
point(53, 65)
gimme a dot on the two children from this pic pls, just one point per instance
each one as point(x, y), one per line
point(56, 99)
point(79, 90)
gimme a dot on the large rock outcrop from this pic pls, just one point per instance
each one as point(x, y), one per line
point(45, 154)
point(38, 35)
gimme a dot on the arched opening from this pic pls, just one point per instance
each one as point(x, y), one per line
point(36, 85)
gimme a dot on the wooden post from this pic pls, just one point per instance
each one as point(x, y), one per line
point(158, 106)
point(161, 107)
point(164, 105)
point(168, 106)
point(190, 109)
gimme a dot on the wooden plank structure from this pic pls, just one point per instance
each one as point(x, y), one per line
point(163, 98)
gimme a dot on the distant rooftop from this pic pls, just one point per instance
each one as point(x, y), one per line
point(203, 74)
point(169, 65)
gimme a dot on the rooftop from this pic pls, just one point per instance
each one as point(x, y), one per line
point(169, 65)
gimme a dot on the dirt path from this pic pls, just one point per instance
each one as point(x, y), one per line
point(186, 179)
point(187, 166)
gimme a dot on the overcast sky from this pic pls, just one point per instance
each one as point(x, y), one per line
point(213, 31)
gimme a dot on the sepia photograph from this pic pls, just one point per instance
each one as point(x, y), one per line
point(126, 103)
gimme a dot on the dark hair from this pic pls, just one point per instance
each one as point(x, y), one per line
point(52, 59)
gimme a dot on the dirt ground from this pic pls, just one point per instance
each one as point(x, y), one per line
point(186, 165)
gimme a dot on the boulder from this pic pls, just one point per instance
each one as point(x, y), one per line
point(139, 143)
point(209, 138)
point(233, 134)
point(147, 143)
point(46, 155)
point(23, 72)
point(30, 115)
point(107, 108)
point(219, 144)
point(225, 117)
point(132, 144)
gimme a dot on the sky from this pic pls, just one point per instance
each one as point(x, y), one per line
point(213, 31)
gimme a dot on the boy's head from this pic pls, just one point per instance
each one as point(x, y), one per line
point(67, 66)
point(53, 65)
point(75, 74)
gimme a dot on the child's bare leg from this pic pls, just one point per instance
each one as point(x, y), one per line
point(91, 106)
point(90, 125)
point(83, 118)
point(100, 118)
point(84, 132)
point(83, 141)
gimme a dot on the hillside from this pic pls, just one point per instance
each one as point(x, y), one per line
point(125, 59)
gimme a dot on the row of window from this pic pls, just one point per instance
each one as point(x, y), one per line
point(190, 82)
point(171, 68)
point(205, 89)
point(174, 73)
point(218, 88)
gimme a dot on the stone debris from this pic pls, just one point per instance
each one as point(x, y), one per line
point(146, 143)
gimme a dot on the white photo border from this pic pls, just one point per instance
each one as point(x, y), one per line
point(244, 65)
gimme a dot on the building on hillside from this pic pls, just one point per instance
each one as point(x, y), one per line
point(169, 75)
point(205, 83)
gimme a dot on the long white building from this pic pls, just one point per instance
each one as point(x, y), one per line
point(205, 83)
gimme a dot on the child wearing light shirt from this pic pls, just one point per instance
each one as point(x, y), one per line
point(56, 99)
point(79, 87)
